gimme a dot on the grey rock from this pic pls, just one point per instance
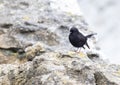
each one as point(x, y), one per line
point(102, 80)
point(50, 68)
point(39, 33)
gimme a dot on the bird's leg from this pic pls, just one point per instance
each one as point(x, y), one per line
point(78, 50)
point(83, 47)
point(87, 45)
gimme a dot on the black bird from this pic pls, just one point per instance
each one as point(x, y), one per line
point(77, 39)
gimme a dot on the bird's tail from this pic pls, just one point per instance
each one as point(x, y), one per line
point(88, 36)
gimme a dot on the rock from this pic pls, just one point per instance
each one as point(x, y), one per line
point(50, 68)
point(7, 41)
point(7, 59)
point(102, 80)
point(93, 55)
point(35, 50)
point(6, 25)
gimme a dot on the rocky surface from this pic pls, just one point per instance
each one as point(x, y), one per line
point(34, 47)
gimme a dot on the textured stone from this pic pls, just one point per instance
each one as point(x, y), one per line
point(35, 50)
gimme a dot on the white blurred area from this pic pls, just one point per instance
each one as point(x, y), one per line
point(104, 18)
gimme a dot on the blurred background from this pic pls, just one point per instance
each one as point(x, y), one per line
point(103, 17)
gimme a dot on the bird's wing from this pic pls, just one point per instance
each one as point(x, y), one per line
point(81, 38)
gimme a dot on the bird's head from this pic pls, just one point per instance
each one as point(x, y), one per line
point(73, 29)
